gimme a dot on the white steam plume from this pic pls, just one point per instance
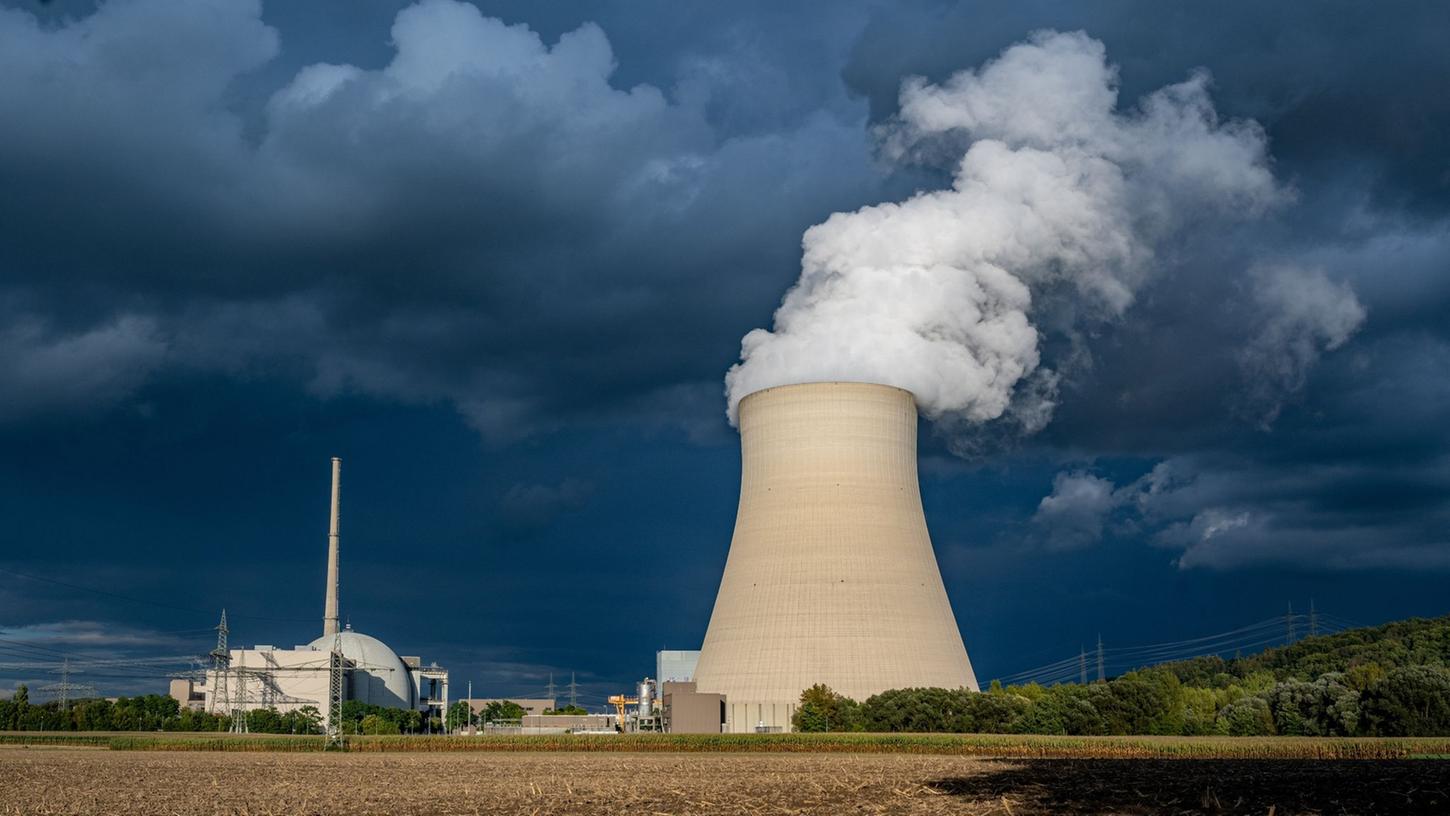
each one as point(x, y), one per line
point(1057, 190)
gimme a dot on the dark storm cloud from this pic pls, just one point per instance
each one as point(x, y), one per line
point(1252, 358)
point(1342, 86)
point(485, 220)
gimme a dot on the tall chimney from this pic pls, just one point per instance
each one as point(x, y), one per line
point(329, 611)
point(831, 576)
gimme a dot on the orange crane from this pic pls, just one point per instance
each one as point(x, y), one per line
point(619, 701)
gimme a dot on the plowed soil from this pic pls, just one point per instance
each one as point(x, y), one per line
point(77, 781)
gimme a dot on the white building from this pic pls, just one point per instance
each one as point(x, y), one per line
point(290, 679)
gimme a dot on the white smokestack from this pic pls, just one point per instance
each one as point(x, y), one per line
point(1058, 192)
point(329, 610)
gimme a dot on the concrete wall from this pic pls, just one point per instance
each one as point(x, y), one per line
point(559, 723)
point(831, 577)
point(284, 679)
point(687, 711)
point(188, 694)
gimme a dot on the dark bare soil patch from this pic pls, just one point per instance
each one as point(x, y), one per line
point(1188, 786)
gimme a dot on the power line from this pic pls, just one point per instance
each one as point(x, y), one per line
point(1271, 631)
point(1100, 657)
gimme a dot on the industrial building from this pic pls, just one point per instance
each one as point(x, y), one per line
point(263, 676)
point(831, 577)
point(673, 666)
point(685, 710)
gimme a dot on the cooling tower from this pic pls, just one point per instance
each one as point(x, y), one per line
point(831, 577)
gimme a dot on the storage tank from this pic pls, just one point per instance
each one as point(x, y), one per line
point(831, 577)
point(646, 697)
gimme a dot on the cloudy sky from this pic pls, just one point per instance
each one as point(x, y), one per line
point(1183, 276)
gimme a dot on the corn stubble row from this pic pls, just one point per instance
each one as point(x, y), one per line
point(994, 745)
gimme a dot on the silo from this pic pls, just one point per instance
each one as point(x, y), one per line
point(831, 577)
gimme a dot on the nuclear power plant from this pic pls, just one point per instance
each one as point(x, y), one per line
point(831, 577)
point(368, 670)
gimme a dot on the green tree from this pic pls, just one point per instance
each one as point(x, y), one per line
point(410, 722)
point(996, 712)
point(916, 710)
point(500, 710)
point(1413, 701)
point(305, 720)
point(1246, 717)
point(821, 709)
point(1148, 701)
point(460, 714)
point(1326, 707)
point(265, 721)
point(1200, 711)
point(14, 711)
point(1067, 708)
point(374, 724)
point(568, 709)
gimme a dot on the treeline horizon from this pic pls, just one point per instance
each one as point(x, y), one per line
point(1389, 680)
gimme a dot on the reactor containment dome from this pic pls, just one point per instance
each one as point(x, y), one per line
point(381, 679)
point(831, 577)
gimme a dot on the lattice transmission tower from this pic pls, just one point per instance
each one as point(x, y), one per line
point(221, 665)
point(335, 681)
point(65, 690)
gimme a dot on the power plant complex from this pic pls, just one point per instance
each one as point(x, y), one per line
point(339, 665)
point(830, 579)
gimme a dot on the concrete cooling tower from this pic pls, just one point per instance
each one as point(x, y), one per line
point(831, 576)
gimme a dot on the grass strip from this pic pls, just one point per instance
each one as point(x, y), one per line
point(985, 745)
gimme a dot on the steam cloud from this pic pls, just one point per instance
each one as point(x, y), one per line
point(1057, 192)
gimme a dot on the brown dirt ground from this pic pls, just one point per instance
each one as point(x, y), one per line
point(112, 782)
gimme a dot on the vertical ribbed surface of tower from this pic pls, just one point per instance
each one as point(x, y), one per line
point(831, 577)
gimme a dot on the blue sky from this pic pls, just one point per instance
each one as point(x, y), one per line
point(499, 258)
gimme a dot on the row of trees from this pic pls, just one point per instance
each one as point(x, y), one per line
point(151, 712)
point(362, 718)
point(1392, 680)
point(155, 712)
point(1412, 701)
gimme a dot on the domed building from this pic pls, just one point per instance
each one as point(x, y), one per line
point(291, 679)
point(379, 676)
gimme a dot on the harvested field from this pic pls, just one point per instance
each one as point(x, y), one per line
point(80, 781)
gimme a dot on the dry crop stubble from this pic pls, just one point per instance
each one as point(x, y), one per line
point(74, 782)
point(61, 782)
